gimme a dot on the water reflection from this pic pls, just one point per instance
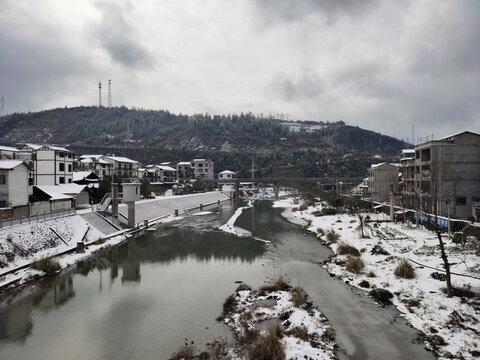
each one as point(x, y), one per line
point(169, 245)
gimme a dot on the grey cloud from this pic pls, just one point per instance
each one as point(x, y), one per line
point(306, 86)
point(119, 38)
point(296, 10)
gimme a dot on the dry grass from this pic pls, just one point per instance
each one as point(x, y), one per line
point(185, 353)
point(320, 231)
point(299, 297)
point(300, 332)
point(354, 264)
point(48, 265)
point(333, 236)
point(345, 249)
point(229, 305)
point(279, 285)
point(294, 209)
point(404, 270)
point(308, 222)
point(371, 274)
point(268, 346)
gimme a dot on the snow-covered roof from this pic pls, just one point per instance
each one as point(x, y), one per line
point(86, 161)
point(166, 163)
point(9, 164)
point(167, 168)
point(199, 160)
point(65, 189)
point(121, 159)
point(185, 163)
point(33, 146)
point(96, 157)
point(408, 151)
point(51, 191)
point(460, 133)
point(80, 175)
point(58, 148)
point(8, 148)
point(227, 172)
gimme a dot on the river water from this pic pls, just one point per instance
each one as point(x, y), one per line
point(149, 296)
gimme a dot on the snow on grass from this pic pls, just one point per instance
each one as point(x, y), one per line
point(451, 325)
point(303, 331)
point(230, 225)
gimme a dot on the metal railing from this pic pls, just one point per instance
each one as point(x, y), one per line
point(35, 218)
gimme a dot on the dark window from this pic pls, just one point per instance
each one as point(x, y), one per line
point(476, 199)
point(69, 155)
point(30, 181)
point(61, 180)
point(69, 167)
point(61, 166)
point(3, 179)
point(460, 201)
point(61, 154)
point(3, 203)
point(69, 181)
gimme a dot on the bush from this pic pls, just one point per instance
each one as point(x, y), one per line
point(345, 249)
point(299, 297)
point(303, 207)
point(329, 211)
point(243, 287)
point(320, 231)
point(354, 264)
point(48, 265)
point(404, 270)
point(268, 346)
point(381, 295)
point(294, 209)
point(279, 285)
point(379, 250)
point(185, 353)
point(332, 236)
point(364, 284)
point(229, 305)
point(308, 222)
point(371, 274)
point(300, 332)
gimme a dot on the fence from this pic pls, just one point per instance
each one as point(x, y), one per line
point(37, 217)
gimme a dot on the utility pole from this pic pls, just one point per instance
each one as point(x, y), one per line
point(109, 93)
point(99, 94)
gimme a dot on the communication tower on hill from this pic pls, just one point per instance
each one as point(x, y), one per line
point(99, 94)
point(2, 107)
point(109, 93)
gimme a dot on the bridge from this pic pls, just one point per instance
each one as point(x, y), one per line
point(286, 180)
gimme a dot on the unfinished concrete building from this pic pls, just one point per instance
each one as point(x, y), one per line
point(381, 178)
point(447, 174)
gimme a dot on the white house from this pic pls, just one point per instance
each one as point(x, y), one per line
point(226, 174)
point(95, 163)
point(184, 170)
point(160, 173)
point(14, 188)
point(53, 165)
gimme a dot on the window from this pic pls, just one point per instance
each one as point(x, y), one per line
point(461, 201)
point(3, 203)
point(3, 179)
point(69, 167)
point(30, 181)
point(61, 154)
point(69, 181)
point(476, 199)
point(61, 180)
point(61, 166)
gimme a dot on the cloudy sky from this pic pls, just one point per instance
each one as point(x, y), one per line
point(381, 65)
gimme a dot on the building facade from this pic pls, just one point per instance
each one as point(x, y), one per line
point(382, 177)
point(14, 187)
point(203, 168)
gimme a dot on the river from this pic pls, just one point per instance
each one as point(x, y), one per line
point(149, 296)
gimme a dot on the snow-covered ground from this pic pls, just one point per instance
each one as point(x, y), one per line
point(305, 333)
point(230, 227)
point(451, 325)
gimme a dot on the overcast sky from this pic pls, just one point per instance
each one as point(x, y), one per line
point(381, 65)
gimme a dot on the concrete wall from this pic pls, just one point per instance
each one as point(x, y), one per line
point(381, 177)
point(47, 167)
point(18, 186)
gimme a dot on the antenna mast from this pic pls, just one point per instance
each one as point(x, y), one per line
point(109, 93)
point(99, 94)
point(2, 107)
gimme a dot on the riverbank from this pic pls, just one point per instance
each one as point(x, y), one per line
point(450, 325)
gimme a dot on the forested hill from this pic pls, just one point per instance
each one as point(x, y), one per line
point(120, 126)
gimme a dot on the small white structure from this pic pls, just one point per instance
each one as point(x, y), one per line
point(226, 174)
point(131, 193)
point(78, 193)
point(14, 189)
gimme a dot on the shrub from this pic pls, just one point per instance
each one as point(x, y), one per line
point(303, 207)
point(308, 222)
point(329, 211)
point(320, 231)
point(371, 274)
point(243, 287)
point(364, 284)
point(185, 353)
point(300, 332)
point(268, 346)
point(48, 265)
point(404, 270)
point(345, 249)
point(379, 250)
point(295, 201)
point(332, 236)
point(381, 295)
point(229, 305)
point(294, 209)
point(279, 285)
point(354, 264)
point(299, 297)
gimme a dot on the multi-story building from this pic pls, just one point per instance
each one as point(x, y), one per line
point(160, 174)
point(407, 178)
point(123, 166)
point(52, 165)
point(203, 168)
point(447, 174)
point(96, 164)
point(381, 179)
point(184, 170)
